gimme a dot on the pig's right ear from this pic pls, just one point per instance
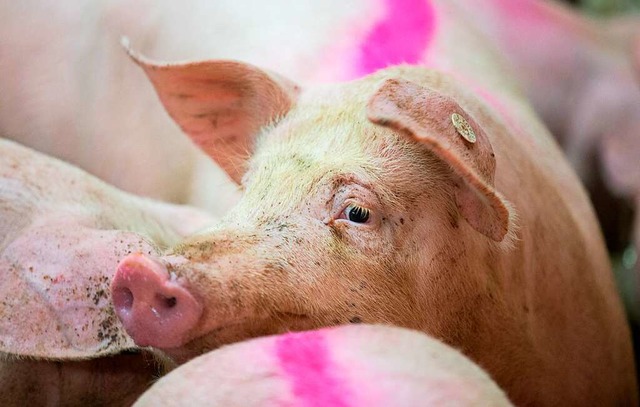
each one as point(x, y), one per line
point(441, 125)
point(221, 105)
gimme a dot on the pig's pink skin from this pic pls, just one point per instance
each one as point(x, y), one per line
point(147, 301)
point(356, 366)
point(62, 232)
point(587, 89)
point(59, 270)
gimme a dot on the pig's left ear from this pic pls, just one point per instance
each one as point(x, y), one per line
point(428, 117)
point(221, 105)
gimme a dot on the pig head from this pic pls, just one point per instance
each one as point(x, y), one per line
point(62, 232)
point(379, 201)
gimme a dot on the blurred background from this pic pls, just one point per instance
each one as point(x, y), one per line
point(608, 7)
point(616, 214)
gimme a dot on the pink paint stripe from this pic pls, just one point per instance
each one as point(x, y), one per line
point(305, 359)
point(403, 36)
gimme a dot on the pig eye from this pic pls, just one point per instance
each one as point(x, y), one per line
point(357, 214)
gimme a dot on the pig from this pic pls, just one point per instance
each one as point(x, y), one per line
point(358, 365)
point(425, 195)
point(62, 232)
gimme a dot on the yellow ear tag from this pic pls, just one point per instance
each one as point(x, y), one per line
point(463, 128)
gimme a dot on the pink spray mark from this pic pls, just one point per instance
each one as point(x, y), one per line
point(305, 359)
point(403, 36)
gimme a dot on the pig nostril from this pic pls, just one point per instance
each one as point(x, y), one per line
point(124, 298)
point(168, 302)
point(171, 302)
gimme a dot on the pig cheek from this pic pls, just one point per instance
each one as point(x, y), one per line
point(343, 277)
point(368, 240)
point(230, 288)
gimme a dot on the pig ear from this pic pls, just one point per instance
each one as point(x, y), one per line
point(221, 105)
point(428, 117)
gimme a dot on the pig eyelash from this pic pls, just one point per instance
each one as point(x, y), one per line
point(356, 214)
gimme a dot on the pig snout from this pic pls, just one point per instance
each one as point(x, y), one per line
point(154, 309)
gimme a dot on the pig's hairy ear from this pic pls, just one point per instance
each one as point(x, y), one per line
point(221, 105)
point(424, 115)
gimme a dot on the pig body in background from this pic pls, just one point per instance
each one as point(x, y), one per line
point(346, 366)
point(62, 232)
point(433, 200)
